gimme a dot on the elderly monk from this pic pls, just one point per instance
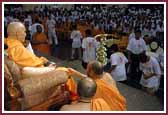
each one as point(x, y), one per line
point(21, 56)
point(16, 50)
point(86, 90)
point(106, 87)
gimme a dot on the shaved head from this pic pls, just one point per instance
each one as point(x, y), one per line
point(17, 30)
point(14, 27)
point(87, 87)
point(95, 68)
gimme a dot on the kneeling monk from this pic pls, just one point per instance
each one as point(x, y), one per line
point(86, 90)
point(106, 87)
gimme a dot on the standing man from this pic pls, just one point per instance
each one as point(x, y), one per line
point(53, 41)
point(89, 45)
point(135, 47)
point(76, 37)
point(118, 61)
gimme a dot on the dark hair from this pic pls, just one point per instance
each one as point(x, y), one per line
point(74, 26)
point(39, 28)
point(137, 31)
point(143, 56)
point(97, 67)
point(88, 32)
point(86, 87)
point(114, 47)
point(36, 20)
point(146, 35)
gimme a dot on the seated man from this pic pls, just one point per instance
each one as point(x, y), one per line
point(16, 50)
point(106, 87)
point(40, 41)
point(24, 58)
point(86, 90)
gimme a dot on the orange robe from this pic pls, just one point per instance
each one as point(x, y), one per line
point(72, 88)
point(99, 104)
point(20, 55)
point(70, 85)
point(110, 95)
point(42, 47)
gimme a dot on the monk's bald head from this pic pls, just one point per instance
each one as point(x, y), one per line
point(15, 27)
point(95, 68)
point(87, 87)
point(17, 31)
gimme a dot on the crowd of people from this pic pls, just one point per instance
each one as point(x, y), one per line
point(45, 26)
point(99, 17)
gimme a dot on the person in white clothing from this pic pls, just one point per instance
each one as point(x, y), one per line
point(76, 37)
point(89, 45)
point(135, 47)
point(51, 31)
point(132, 35)
point(118, 61)
point(53, 40)
point(28, 19)
point(151, 72)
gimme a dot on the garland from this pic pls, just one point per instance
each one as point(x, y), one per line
point(101, 54)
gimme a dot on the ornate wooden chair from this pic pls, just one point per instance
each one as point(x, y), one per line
point(32, 93)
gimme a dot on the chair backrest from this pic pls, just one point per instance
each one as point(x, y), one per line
point(14, 69)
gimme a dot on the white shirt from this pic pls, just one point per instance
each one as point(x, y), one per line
point(89, 45)
point(28, 20)
point(153, 54)
point(136, 46)
point(76, 36)
point(132, 35)
point(51, 25)
point(119, 73)
point(153, 32)
point(159, 29)
point(152, 66)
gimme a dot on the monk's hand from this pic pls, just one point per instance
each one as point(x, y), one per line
point(45, 60)
point(71, 71)
point(52, 64)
